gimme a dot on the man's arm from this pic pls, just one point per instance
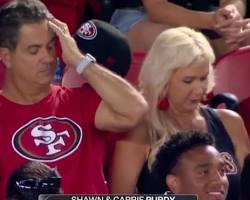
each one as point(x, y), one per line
point(122, 106)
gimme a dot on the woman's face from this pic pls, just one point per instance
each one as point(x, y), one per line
point(188, 86)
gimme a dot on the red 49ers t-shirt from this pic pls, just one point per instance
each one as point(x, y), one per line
point(58, 131)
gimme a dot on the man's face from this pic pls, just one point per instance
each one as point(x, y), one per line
point(201, 171)
point(33, 60)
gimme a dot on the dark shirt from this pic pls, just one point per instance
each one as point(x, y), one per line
point(126, 3)
point(148, 183)
point(245, 179)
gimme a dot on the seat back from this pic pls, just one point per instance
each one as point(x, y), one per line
point(232, 73)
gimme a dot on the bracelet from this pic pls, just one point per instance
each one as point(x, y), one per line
point(86, 60)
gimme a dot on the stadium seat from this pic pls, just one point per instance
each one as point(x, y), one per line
point(232, 75)
point(137, 61)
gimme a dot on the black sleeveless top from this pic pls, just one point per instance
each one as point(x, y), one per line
point(148, 182)
point(201, 5)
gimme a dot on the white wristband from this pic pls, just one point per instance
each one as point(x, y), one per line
point(84, 63)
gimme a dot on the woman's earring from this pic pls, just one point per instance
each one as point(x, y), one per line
point(163, 104)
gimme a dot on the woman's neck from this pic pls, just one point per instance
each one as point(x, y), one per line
point(188, 121)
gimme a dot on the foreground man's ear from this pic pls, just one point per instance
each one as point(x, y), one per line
point(5, 56)
point(172, 182)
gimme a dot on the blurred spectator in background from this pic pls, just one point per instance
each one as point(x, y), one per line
point(31, 179)
point(143, 20)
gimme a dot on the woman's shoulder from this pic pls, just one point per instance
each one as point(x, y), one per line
point(224, 115)
point(236, 129)
point(233, 123)
point(228, 116)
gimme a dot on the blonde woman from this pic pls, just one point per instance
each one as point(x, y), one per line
point(175, 77)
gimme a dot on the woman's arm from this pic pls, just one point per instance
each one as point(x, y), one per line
point(240, 5)
point(164, 12)
point(237, 132)
point(130, 155)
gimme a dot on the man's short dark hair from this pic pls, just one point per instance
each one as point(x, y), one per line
point(170, 152)
point(30, 170)
point(14, 14)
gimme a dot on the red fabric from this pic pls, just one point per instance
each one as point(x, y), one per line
point(2, 69)
point(66, 117)
point(3, 1)
point(232, 73)
point(245, 113)
point(71, 12)
point(137, 60)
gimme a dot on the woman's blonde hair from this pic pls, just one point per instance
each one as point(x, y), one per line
point(174, 48)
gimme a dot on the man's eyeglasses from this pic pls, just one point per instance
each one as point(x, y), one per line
point(30, 189)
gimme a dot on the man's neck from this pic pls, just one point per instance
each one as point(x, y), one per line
point(25, 93)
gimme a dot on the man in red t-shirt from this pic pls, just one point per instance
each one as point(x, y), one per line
point(52, 124)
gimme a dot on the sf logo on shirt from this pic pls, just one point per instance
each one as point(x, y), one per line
point(230, 167)
point(47, 139)
point(46, 135)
